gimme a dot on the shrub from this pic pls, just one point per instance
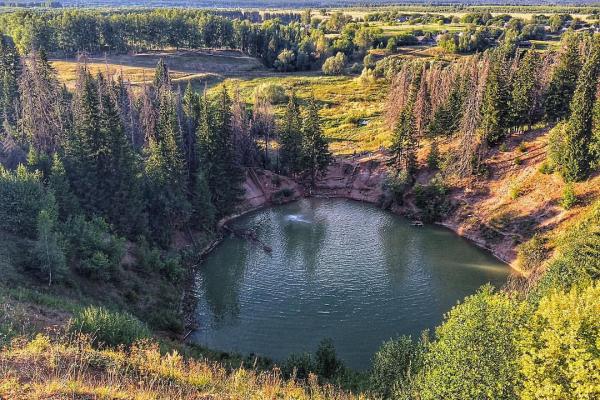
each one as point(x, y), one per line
point(397, 184)
point(569, 198)
point(432, 199)
point(532, 253)
point(474, 355)
point(151, 259)
point(522, 148)
point(93, 249)
point(22, 197)
point(503, 148)
point(515, 191)
point(299, 366)
point(546, 168)
point(109, 328)
point(559, 347)
point(327, 363)
point(282, 194)
point(334, 65)
point(395, 365)
point(271, 92)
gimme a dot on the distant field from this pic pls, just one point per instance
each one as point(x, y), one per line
point(200, 67)
point(350, 111)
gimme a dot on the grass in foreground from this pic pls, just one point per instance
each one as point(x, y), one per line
point(72, 368)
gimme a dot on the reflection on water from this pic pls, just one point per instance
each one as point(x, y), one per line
point(338, 269)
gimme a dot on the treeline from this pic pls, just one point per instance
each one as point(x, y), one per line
point(73, 31)
point(29, 4)
point(149, 162)
point(483, 98)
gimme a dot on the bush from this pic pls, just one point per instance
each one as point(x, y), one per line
point(299, 366)
point(397, 184)
point(22, 197)
point(474, 355)
point(532, 253)
point(432, 199)
point(515, 191)
point(109, 328)
point(546, 168)
point(94, 250)
point(152, 259)
point(271, 92)
point(395, 365)
point(327, 363)
point(569, 198)
point(334, 65)
point(559, 347)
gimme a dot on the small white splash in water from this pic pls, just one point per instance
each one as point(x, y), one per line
point(297, 218)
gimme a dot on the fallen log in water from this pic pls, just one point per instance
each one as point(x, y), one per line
point(248, 235)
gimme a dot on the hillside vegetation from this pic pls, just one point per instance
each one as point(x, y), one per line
point(117, 171)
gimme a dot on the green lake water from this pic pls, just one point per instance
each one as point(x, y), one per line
point(338, 269)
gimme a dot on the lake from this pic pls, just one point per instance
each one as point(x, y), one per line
point(338, 269)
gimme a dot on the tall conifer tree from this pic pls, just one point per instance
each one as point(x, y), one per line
point(315, 150)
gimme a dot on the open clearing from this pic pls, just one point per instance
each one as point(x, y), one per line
point(351, 111)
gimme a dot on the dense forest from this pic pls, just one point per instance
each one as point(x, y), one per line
point(109, 169)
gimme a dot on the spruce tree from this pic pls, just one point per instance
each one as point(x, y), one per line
point(523, 107)
point(9, 78)
point(161, 76)
point(576, 152)
point(58, 181)
point(290, 138)
point(404, 140)
point(595, 145)
point(166, 183)
point(495, 111)
point(315, 150)
point(564, 79)
point(191, 117)
point(217, 156)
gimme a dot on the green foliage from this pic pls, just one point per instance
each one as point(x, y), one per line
point(576, 159)
point(475, 355)
point(22, 198)
point(315, 150)
point(108, 327)
point(299, 366)
point(577, 260)
point(397, 183)
point(271, 92)
point(290, 137)
point(564, 79)
point(515, 191)
point(569, 198)
point(326, 362)
point(432, 199)
point(396, 365)
point(532, 253)
point(559, 347)
point(334, 65)
point(495, 108)
point(433, 157)
point(93, 250)
point(48, 256)
point(152, 260)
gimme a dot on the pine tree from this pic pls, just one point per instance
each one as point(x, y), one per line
point(564, 79)
point(315, 150)
point(595, 145)
point(217, 155)
point(494, 111)
point(290, 138)
point(59, 183)
point(191, 117)
point(576, 151)
point(404, 140)
point(161, 76)
point(166, 183)
point(9, 87)
point(523, 101)
point(86, 148)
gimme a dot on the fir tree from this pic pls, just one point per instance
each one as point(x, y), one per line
point(59, 183)
point(166, 183)
point(161, 76)
point(290, 138)
point(494, 111)
point(404, 140)
point(217, 155)
point(315, 150)
point(564, 79)
point(191, 117)
point(9, 88)
point(576, 151)
point(523, 107)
